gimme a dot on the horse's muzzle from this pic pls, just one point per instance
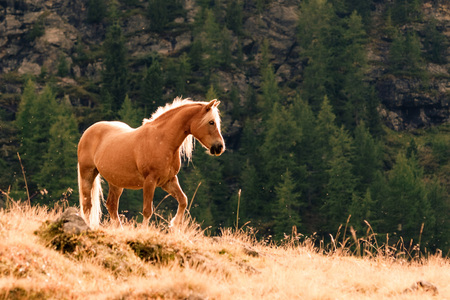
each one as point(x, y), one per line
point(217, 149)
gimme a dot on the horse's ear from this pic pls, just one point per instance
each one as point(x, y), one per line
point(212, 103)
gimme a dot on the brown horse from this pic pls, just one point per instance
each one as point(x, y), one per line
point(144, 158)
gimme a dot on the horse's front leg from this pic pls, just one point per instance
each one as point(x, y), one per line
point(174, 189)
point(149, 191)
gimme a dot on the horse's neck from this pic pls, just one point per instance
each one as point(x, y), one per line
point(176, 123)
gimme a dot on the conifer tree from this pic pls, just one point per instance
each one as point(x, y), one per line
point(130, 114)
point(35, 117)
point(211, 93)
point(250, 183)
point(96, 11)
point(158, 14)
point(367, 159)
point(406, 205)
point(322, 153)
point(314, 28)
point(183, 72)
point(287, 206)
point(152, 87)
point(305, 149)
point(210, 37)
point(438, 237)
point(58, 173)
point(225, 51)
point(281, 137)
point(269, 85)
point(404, 11)
point(405, 55)
point(196, 189)
point(340, 187)
point(362, 209)
point(435, 43)
point(234, 15)
point(115, 73)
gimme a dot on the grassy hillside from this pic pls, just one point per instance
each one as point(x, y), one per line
point(37, 261)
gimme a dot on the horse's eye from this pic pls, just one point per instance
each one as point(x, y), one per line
point(211, 123)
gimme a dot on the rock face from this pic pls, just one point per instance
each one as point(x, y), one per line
point(36, 35)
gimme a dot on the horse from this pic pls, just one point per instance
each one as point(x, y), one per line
point(145, 157)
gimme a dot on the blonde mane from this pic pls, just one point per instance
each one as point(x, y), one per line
point(187, 147)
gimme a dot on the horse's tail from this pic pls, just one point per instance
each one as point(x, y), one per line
point(96, 200)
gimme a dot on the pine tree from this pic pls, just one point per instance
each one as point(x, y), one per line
point(210, 37)
point(226, 56)
point(367, 160)
point(404, 11)
point(250, 183)
point(96, 11)
point(158, 14)
point(58, 173)
point(196, 189)
point(234, 15)
point(211, 93)
point(35, 117)
point(435, 43)
point(406, 205)
point(287, 206)
point(438, 237)
point(130, 114)
point(355, 90)
point(152, 87)
point(183, 72)
point(316, 17)
point(340, 188)
point(362, 209)
point(405, 55)
point(281, 137)
point(305, 149)
point(115, 73)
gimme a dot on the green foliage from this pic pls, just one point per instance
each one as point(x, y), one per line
point(407, 206)
point(49, 135)
point(405, 11)
point(97, 11)
point(161, 12)
point(278, 150)
point(35, 117)
point(234, 16)
point(340, 188)
point(38, 28)
point(58, 176)
point(367, 159)
point(435, 43)
point(63, 66)
point(405, 55)
point(151, 96)
point(287, 206)
point(115, 71)
point(130, 114)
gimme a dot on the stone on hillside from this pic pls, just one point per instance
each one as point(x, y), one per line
point(72, 222)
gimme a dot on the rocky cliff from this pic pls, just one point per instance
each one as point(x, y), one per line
point(37, 35)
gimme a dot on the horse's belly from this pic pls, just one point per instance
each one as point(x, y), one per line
point(120, 172)
point(122, 179)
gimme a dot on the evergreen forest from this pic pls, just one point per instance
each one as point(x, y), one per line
point(304, 157)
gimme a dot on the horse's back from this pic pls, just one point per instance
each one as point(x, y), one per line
point(99, 134)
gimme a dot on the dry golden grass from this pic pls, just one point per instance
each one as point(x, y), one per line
point(157, 263)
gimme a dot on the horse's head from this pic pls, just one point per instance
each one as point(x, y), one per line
point(206, 128)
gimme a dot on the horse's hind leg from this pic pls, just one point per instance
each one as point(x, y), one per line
point(86, 177)
point(112, 203)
